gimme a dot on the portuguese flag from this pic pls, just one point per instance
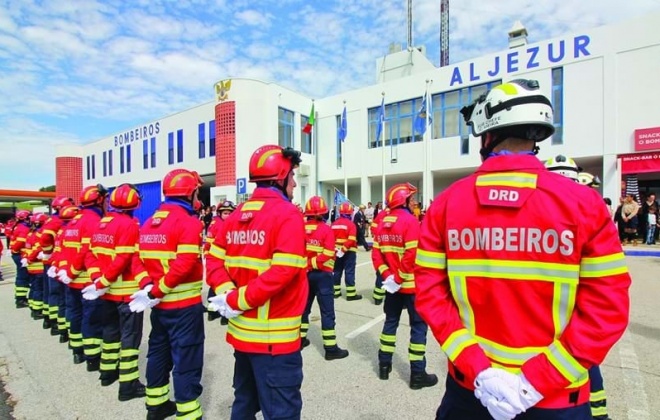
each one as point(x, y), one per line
point(310, 122)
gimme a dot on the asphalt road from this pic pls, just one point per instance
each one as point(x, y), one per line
point(44, 383)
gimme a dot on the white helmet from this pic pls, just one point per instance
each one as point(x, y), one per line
point(564, 166)
point(517, 103)
point(585, 178)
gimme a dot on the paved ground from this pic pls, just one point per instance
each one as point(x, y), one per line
point(43, 382)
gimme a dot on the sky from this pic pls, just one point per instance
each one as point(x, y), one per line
point(76, 71)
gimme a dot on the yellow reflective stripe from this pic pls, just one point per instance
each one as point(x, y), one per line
point(190, 289)
point(507, 179)
point(188, 406)
point(328, 253)
point(129, 352)
point(430, 259)
point(507, 355)
point(274, 324)
point(458, 285)
point(110, 346)
point(99, 250)
point(289, 260)
point(597, 396)
point(563, 302)
point(242, 300)
point(125, 249)
point(392, 248)
point(157, 255)
point(161, 214)
point(49, 232)
point(314, 248)
point(224, 287)
point(313, 263)
point(311, 228)
point(406, 276)
point(457, 342)
point(217, 252)
point(104, 282)
point(382, 268)
point(71, 244)
point(410, 245)
point(249, 263)
point(391, 219)
point(252, 206)
point(351, 237)
point(85, 240)
point(187, 249)
point(608, 265)
point(140, 276)
point(515, 270)
point(262, 336)
point(566, 364)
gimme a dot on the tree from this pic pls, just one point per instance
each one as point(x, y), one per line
point(47, 189)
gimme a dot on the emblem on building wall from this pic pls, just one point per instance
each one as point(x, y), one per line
point(222, 90)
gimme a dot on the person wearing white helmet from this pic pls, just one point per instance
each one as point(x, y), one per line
point(564, 166)
point(519, 277)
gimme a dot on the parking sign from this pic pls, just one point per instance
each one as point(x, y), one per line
point(241, 186)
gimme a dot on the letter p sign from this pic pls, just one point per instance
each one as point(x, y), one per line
point(241, 186)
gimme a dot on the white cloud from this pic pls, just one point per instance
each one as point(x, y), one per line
point(253, 18)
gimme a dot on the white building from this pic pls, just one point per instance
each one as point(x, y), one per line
point(603, 83)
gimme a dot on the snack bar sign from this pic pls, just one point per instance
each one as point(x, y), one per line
point(647, 139)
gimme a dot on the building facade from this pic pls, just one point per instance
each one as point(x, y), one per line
point(603, 84)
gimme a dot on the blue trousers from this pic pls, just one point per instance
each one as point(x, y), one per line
point(74, 317)
point(345, 265)
point(597, 398)
point(36, 295)
point(92, 328)
point(122, 334)
point(379, 292)
point(57, 303)
point(267, 383)
point(394, 304)
point(45, 293)
point(459, 403)
point(321, 288)
point(176, 343)
point(22, 284)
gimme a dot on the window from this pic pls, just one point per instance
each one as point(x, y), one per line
point(202, 140)
point(339, 155)
point(398, 126)
point(285, 127)
point(212, 138)
point(170, 148)
point(121, 160)
point(179, 145)
point(110, 162)
point(128, 158)
point(88, 167)
point(145, 154)
point(93, 166)
point(105, 164)
point(558, 104)
point(305, 138)
point(153, 152)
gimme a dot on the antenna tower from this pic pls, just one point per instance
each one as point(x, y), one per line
point(444, 33)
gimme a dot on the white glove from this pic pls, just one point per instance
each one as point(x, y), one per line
point(91, 293)
point(390, 285)
point(63, 277)
point(140, 300)
point(223, 308)
point(339, 253)
point(505, 391)
point(24, 262)
point(52, 272)
point(44, 257)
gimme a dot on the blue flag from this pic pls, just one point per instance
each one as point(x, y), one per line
point(339, 198)
point(381, 120)
point(343, 128)
point(423, 117)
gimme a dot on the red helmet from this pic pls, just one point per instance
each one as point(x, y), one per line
point(38, 218)
point(69, 212)
point(398, 194)
point(22, 215)
point(125, 197)
point(226, 205)
point(61, 201)
point(345, 208)
point(273, 163)
point(316, 206)
point(93, 195)
point(181, 183)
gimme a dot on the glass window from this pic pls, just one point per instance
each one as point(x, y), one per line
point(558, 104)
point(105, 164)
point(110, 162)
point(128, 158)
point(153, 152)
point(202, 140)
point(305, 138)
point(145, 154)
point(170, 148)
point(212, 138)
point(285, 127)
point(88, 167)
point(398, 125)
point(179, 146)
point(121, 160)
point(93, 166)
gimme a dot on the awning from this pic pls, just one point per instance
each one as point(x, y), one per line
point(640, 163)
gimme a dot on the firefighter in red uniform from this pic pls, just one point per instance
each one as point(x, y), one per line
point(86, 330)
point(379, 292)
point(57, 288)
point(2, 250)
point(35, 266)
point(170, 245)
point(394, 259)
point(568, 168)
point(52, 288)
point(523, 293)
point(223, 212)
point(115, 253)
point(320, 245)
point(257, 268)
point(19, 235)
point(345, 233)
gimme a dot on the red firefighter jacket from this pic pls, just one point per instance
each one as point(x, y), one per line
point(114, 251)
point(170, 245)
point(395, 247)
point(47, 240)
point(345, 234)
point(520, 279)
point(211, 232)
point(75, 246)
point(320, 246)
point(56, 257)
point(260, 252)
point(18, 237)
point(35, 266)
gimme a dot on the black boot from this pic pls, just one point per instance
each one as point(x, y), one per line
point(356, 297)
point(213, 315)
point(378, 302)
point(161, 412)
point(64, 336)
point(21, 303)
point(36, 315)
point(93, 365)
point(108, 377)
point(133, 389)
point(78, 358)
point(384, 370)
point(419, 380)
point(224, 321)
point(304, 342)
point(46, 324)
point(335, 353)
point(53, 329)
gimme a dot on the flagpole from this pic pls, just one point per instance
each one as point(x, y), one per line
point(343, 154)
point(382, 151)
point(427, 150)
point(315, 150)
